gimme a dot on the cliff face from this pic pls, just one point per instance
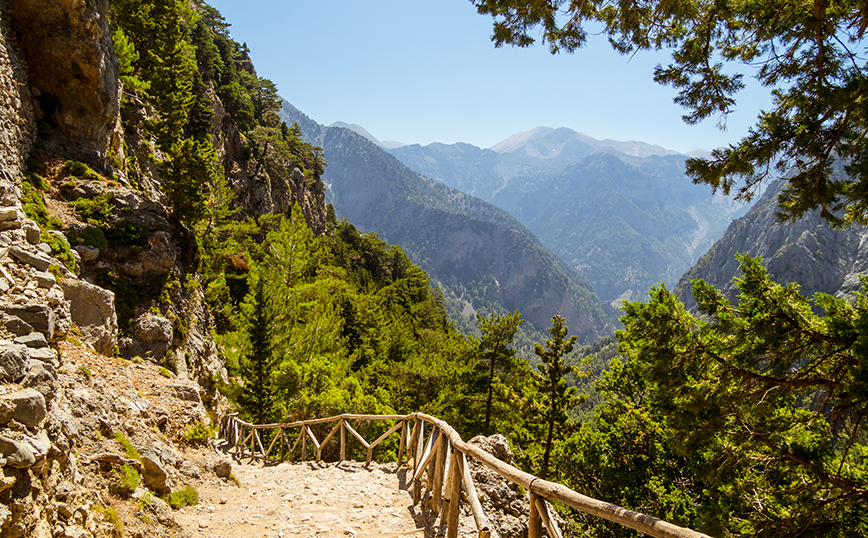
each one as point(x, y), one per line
point(92, 261)
point(807, 252)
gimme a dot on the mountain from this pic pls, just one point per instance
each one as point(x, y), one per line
point(807, 252)
point(475, 250)
point(623, 214)
point(388, 144)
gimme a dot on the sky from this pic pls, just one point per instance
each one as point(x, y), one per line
point(423, 71)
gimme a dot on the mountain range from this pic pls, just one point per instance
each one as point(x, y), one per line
point(623, 214)
point(478, 253)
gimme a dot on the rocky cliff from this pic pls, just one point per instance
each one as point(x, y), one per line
point(104, 331)
point(806, 252)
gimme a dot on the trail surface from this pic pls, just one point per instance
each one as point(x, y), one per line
point(311, 500)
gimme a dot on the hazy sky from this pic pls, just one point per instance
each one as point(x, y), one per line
point(422, 71)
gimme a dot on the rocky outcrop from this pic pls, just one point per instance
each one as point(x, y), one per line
point(807, 252)
point(93, 311)
point(73, 73)
point(17, 120)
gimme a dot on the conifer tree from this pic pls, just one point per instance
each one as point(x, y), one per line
point(257, 395)
point(495, 353)
point(557, 396)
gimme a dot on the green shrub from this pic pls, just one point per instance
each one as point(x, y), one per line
point(198, 433)
point(128, 447)
point(164, 372)
point(81, 170)
point(31, 200)
point(85, 371)
point(187, 496)
point(112, 517)
point(92, 236)
point(59, 249)
point(95, 210)
point(127, 480)
point(124, 233)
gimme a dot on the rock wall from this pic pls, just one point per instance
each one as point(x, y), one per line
point(17, 121)
point(807, 252)
point(73, 73)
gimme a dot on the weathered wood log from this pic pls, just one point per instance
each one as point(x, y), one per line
point(271, 445)
point(610, 512)
point(343, 440)
point(456, 465)
point(421, 465)
point(542, 507)
point(482, 523)
point(297, 442)
point(401, 443)
point(379, 440)
point(327, 439)
point(356, 434)
point(439, 474)
point(534, 526)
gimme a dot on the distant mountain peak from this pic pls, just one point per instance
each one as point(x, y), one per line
point(563, 142)
point(388, 144)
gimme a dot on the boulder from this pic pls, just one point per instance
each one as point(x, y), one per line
point(187, 393)
point(17, 454)
point(222, 467)
point(44, 280)
point(44, 354)
point(38, 260)
point(41, 377)
point(87, 253)
point(93, 309)
point(42, 318)
point(16, 325)
point(154, 474)
point(155, 334)
point(29, 406)
point(32, 340)
point(161, 257)
point(13, 361)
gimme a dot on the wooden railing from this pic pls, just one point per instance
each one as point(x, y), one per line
point(441, 459)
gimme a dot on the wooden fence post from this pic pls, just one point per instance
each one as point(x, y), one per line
point(456, 471)
point(343, 440)
point(534, 526)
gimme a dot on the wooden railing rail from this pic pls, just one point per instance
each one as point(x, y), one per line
point(441, 460)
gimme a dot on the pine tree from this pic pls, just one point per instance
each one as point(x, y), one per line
point(495, 353)
point(557, 396)
point(257, 397)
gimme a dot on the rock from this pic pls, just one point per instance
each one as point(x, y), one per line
point(16, 325)
point(497, 445)
point(155, 333)
point(44, 280)
point(187, 393)
point(92, 309)
point(161, 257)
point(5, 515)
point(16, 453)
point(32, 340)
point(154, 474)
point(9, 213)
point(39, 260)
point(44, 354)
point(29, 405)
point(189, 469)
point(38, 316)
point(31, 229)
point(88, 253)
point(133, 269)
point(222, 467)
point(41, 377)
point(13, 361)
point(39, 445)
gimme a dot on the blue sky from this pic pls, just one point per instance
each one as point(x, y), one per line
point(422, 71)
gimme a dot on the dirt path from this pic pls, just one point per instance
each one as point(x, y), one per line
point(314, 500)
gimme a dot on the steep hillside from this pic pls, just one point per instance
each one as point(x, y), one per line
point(473, 249)
point(806, 252)
point(621, 213)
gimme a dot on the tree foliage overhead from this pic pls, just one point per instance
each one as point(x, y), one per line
point(809, 54)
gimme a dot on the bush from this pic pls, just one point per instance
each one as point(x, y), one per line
point(127, 480)
point(59, 249)
point(199, 433)
point(81, 170)
point(95, 210)
point(130, 450)
point(112, 517)
point(85, 371)
point(187, 496)
point(92, 236)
